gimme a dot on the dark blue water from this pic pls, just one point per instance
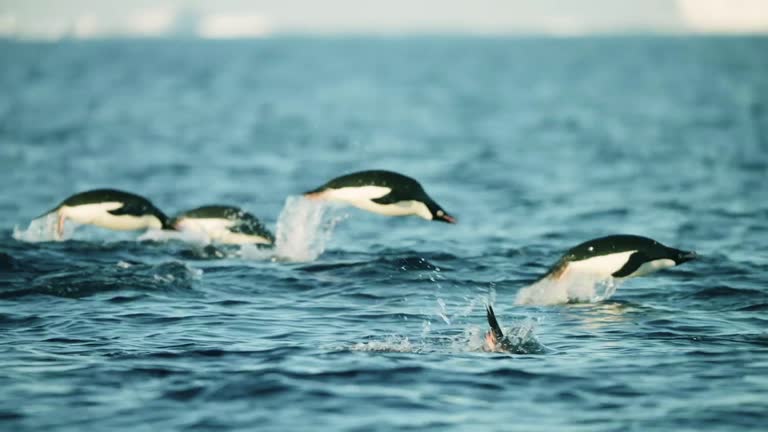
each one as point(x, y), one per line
point(363, 322)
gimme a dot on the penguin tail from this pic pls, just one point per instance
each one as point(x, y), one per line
point(494, 323)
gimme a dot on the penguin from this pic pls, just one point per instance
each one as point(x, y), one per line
point(520, 340)
point(384, 192)
point(619, 256)
point(111, 209)
point(494, 338)
point(224, 224)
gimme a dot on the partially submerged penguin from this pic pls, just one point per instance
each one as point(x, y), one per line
point(520, 340)
point(224, 224)
point(494, 338)
point(619, 256)
point(109, 208)
point(383, 192)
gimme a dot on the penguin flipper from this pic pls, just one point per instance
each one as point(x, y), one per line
point(635, 261)
point(252, 228)
point(131, 209)
point(391, 198)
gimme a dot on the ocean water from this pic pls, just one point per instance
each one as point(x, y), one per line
point(359, 322)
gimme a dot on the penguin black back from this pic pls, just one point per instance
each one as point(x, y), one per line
point(403, 184)
point(133, 205)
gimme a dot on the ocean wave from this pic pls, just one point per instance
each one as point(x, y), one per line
point(92, 279)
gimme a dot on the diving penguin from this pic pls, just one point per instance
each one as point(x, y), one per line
point(224, 224)
point(494, 338)
point(109, 208)
point(619, 256)
point(384, 192)
point(519, 340)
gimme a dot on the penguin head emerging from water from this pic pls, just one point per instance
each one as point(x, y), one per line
point(224, 224)
point(112, 209)
point(619, 256)
point(382, 192)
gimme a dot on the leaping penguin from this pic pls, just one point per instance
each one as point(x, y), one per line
point(619, 256)
point(224, 224)
point(109, 208)
point(383, 192)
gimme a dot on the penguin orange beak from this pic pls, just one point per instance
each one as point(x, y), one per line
point(446, 218)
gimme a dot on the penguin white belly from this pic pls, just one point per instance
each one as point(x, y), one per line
point(603, 266)
point(402, 208)
point(361, 197)
point(98, 214)
point(218, 230)
point(205, 225)
point(652, 267)
point(354, 195)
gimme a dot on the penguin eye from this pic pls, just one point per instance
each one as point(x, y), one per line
point(440, 213)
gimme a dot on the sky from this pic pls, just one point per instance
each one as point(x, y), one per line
point(52, 19)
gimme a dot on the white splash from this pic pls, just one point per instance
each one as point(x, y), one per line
point(520, 339)
point(399, 344)
point(573, 287)
point(442, 311)
point(472, 339)
point(43, 229)
point(303, 230)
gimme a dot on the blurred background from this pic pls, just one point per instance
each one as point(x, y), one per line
point(52, 19)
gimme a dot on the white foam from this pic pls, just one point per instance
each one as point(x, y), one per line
point(572, 287)
point(43, 229)
point(472, 339)
point(520, 338)
point(393, 343)
point(303, 230)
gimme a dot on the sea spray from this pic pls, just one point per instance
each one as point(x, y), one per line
point(43, 229)
point(571, 288)
point(303, 230)
point(391, 343)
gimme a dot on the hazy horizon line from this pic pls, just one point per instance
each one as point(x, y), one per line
point(639, 32)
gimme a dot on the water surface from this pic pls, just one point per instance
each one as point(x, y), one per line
point(374, 323)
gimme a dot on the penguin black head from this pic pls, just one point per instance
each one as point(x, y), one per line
point(438, 214)
point(658, 251)
point(681, 256)
point(166, 222)
point(145, 207)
